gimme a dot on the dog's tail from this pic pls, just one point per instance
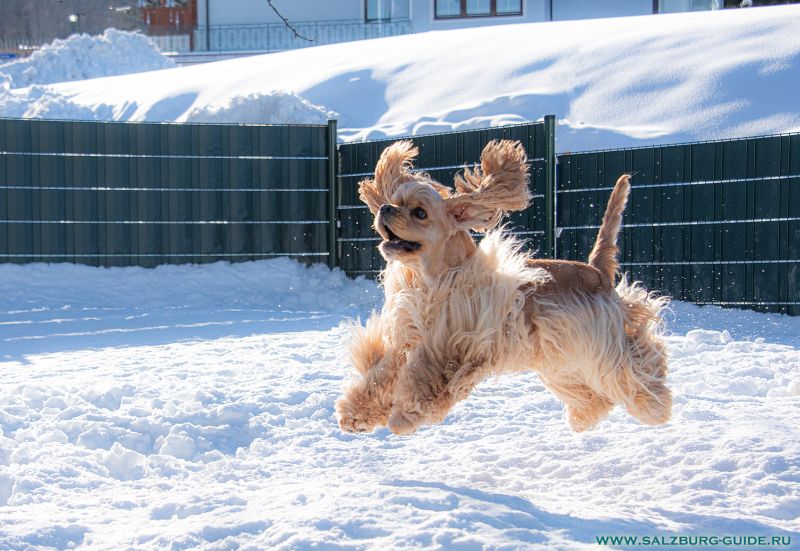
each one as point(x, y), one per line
point(605, 250)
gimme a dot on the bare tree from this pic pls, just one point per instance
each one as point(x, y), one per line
point(286, 22)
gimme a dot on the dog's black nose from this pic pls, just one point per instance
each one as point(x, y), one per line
point(387, 209)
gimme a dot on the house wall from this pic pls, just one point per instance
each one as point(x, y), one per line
point(534, 11)
point(257, 12)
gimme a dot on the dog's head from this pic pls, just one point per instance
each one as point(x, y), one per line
point(424, 224)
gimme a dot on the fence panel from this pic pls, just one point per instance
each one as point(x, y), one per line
point(120, 194)
point(710, 223)
point(442, 156)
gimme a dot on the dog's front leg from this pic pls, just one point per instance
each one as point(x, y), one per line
point(366, 403)
point(421, 394)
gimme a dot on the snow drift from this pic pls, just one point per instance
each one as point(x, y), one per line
point(611, 82)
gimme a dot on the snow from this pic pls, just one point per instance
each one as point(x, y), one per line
point(611, 82)
point(276, 107)
point(192, 406)
point(82, 57)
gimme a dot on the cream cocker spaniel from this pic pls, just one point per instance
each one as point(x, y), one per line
point(456, 312)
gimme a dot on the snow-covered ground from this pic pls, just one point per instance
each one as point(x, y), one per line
point(611, 82)
point(192, 406)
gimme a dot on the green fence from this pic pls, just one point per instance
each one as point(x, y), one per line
point(118, 194)
point(442, 156)
point(710, 223)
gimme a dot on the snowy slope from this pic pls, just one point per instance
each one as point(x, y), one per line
point(192, 406)
point(611, 82)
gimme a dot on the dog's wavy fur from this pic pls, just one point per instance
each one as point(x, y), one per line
point(449, 322)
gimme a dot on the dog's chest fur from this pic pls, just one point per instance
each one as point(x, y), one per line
point(473, 314)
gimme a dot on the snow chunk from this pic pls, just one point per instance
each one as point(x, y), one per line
point(52, 436)
point(81, 57)
point(276, 107)
point(109, 399)
point(6, 488)
point(702, 336)
point(124, 464)
point(179, 446)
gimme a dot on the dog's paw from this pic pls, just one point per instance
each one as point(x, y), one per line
point(580, 420)
point(353, 418)
point(351, 424)
point(404, 422)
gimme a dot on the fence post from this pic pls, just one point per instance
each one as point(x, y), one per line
point(333, 195)
point(550, 184)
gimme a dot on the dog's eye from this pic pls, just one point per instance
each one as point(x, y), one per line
point(419, 213)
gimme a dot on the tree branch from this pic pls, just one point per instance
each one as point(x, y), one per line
point(286, 22)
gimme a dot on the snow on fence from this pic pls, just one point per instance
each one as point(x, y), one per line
point(120, 194)
point(708, 222)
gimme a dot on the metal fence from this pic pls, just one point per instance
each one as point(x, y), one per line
point(118, 194)
point(442, 156)
point(710, 223)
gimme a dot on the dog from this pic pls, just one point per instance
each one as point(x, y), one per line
point(456, 312)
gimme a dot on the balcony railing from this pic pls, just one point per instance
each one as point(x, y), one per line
point(277, 37)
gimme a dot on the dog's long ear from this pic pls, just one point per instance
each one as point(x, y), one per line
point(393, 168)
point(499, 185)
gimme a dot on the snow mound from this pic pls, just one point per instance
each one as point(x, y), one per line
point(276, 107)
point(619, 82)
point(38, 102)
point(81, 57)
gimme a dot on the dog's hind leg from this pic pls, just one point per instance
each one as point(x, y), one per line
point(585, 407)
point(366, 403)
point(652, 399)
point(647, 397)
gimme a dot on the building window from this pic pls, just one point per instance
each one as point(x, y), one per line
point(674, 6)
point(450, 9)
point(378, 10)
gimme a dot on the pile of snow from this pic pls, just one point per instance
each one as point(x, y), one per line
point(193, 407)
point(276, 107)
point(39, 102)
point(81, 57)
point(611, 82)
point(23, 90)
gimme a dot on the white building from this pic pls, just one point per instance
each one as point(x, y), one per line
point(247, 25)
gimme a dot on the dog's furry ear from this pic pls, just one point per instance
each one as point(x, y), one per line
point(393, 168)
point(499, 185)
